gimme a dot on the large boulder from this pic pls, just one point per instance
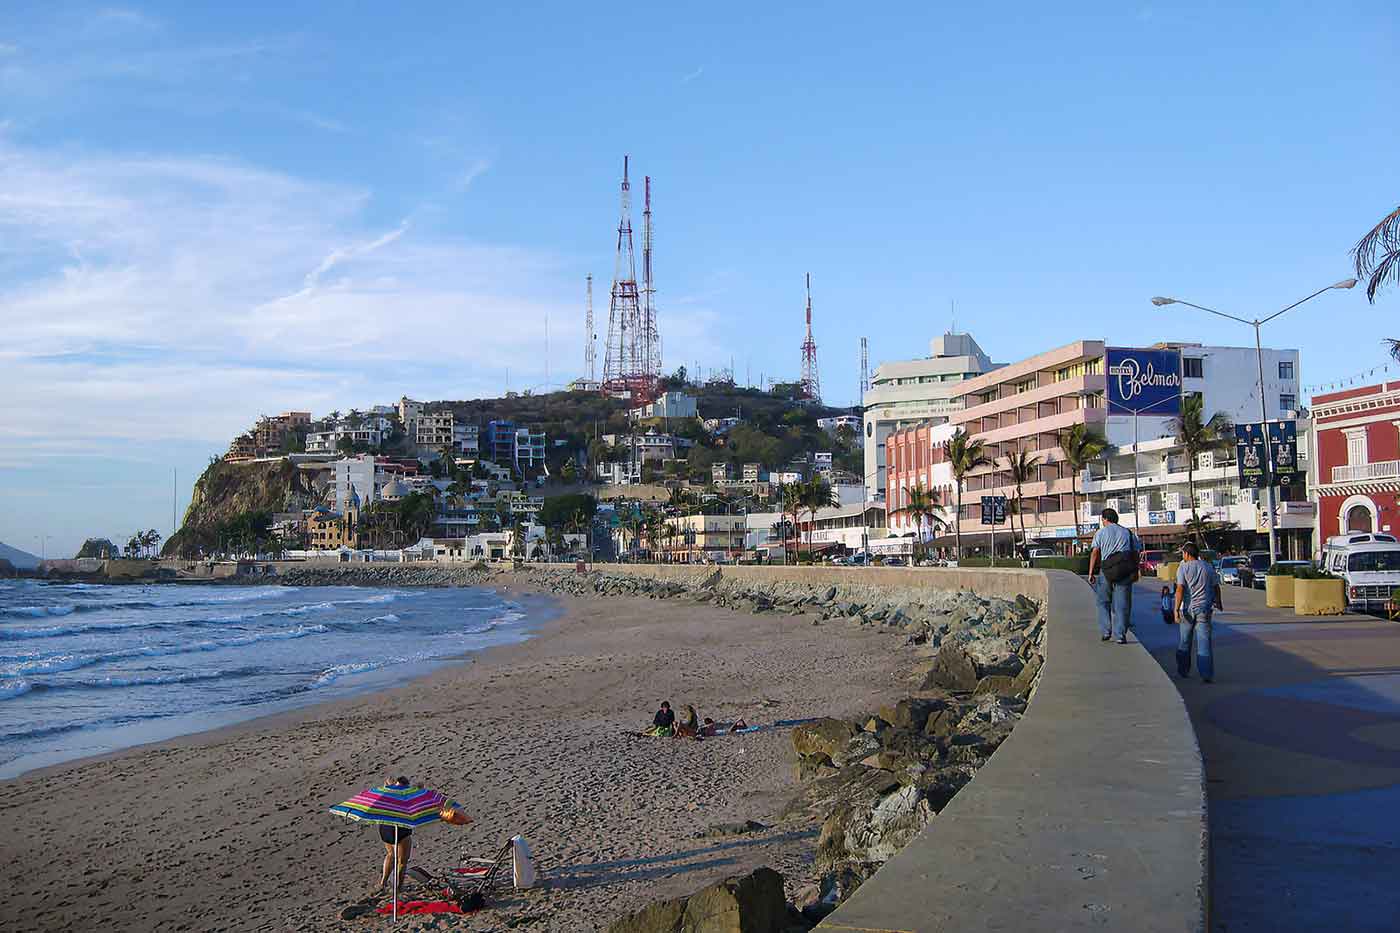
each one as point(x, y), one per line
point(993, 656)
point(953, 669)
point(871, 831)
point(661, 917)
point(852, 783)
point(911, 713)
point(753, 903)
point(1025, 680)
point(825, 738)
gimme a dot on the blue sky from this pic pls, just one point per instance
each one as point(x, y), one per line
point(212, 211)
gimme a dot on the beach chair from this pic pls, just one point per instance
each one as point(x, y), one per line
point(489, 872)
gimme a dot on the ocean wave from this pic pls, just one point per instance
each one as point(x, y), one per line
point(14, 688)
point(20, 687)
point(507, 617)
point(331, 674)
point(73, 662)
point(38, 612)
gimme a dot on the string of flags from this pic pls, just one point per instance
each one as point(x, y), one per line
point(1355, 379)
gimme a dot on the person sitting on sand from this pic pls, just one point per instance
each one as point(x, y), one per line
point(664, 722)
point(690, 726)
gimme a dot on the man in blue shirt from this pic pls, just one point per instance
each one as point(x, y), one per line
point(1115, 596)
point(1197, 595)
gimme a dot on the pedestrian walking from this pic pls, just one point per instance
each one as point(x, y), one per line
point(1197, 597)
point(1113, 569)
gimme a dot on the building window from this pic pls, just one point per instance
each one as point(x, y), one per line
point(1288, 402)
point(1193, 367)
point(1356, 447)
point(1285, 369)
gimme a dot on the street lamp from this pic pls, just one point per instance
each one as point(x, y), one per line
point(1259, 358)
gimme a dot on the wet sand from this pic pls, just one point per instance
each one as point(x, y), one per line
point(228, 830)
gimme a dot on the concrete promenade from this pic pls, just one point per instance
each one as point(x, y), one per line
point(1300, 733)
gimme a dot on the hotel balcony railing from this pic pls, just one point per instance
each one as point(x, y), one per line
point(1384, 469)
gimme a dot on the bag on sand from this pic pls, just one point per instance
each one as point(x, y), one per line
point(1120, 567)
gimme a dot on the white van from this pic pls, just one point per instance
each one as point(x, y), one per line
point(1370, 565)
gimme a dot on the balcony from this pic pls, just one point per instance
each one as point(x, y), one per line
point(1383, 469)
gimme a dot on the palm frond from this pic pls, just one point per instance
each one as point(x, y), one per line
point(1377, 255)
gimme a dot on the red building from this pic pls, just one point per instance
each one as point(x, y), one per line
point(1356, 440)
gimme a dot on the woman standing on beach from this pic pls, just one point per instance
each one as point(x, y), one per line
point(394, 837)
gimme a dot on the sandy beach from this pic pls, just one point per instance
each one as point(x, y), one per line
point(228, 830)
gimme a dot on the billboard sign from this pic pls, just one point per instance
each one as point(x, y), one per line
point(1251, 453)
point(1143, 382)
point(993, 510)
point(1162, 518)
point(1283, 453)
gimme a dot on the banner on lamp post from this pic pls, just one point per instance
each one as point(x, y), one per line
point(1252, 455)
point(1283, 454)
point(993, 510)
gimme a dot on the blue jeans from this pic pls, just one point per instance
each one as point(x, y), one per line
point(1115, 606)
point(1195, 627)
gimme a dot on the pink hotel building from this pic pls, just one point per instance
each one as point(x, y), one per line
point(1022, 406)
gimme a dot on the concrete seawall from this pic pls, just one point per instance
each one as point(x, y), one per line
point(1092, 814)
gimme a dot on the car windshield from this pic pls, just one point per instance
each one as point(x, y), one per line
point(1374, 560)
point(1232, 562)
point(1259, 561)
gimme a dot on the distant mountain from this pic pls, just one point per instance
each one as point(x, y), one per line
point(22, 560)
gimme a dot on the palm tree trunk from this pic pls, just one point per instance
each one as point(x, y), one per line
point(1191, 491)
point(1074, 501)
point(957, 525)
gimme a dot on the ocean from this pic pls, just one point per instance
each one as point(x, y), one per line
point(91, 668)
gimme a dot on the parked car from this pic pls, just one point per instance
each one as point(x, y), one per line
point(894, 562)
point(1035, 552)
point(1229, 569)
point(1148, 561)
point(1256, 564)
point(1370, 565)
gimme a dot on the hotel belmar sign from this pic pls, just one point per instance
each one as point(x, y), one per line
point(1143, 382)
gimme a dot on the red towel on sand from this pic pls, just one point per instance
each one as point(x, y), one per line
point(421, 907)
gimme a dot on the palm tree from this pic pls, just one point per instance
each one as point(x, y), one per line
point(1080, 446)
point(790, 497)
point(1024, 469)
point(1377, 256)
point(922, 506)
point(1196, 436)
point(964, 454)
point(677, 500)
point(817, 494)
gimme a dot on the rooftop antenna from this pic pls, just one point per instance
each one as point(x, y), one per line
point(952, 316)
point(811, 382)
point(590, 338)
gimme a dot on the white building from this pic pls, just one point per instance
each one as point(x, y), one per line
point(848, 524)
point(357, 474)
point(832, 425)
point(1227, 379)
point(785, 478)
point(667, 405)
point(328, 442)
point(466, 438)
point(908, 392)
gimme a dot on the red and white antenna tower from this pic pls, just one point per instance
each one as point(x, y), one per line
point(811, 386)
point(627, 367)
point(650, 339)
point(590, 339)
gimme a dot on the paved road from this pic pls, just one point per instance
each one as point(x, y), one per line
point(1301, 738)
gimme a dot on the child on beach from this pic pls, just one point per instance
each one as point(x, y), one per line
point(664, 722)
point(1168, 609)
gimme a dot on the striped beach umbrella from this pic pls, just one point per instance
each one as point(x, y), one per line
point(402, 806)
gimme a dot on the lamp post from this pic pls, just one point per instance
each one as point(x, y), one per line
point(1257, 323)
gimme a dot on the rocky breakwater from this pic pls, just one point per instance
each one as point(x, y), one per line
point(875, 780)
point(383, 575)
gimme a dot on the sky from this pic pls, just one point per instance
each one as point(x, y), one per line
point(213, 211)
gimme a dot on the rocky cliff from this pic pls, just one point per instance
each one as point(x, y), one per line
point(228, 490)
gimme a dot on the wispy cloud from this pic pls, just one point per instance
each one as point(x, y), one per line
point(471, 173)
point(686, 79)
